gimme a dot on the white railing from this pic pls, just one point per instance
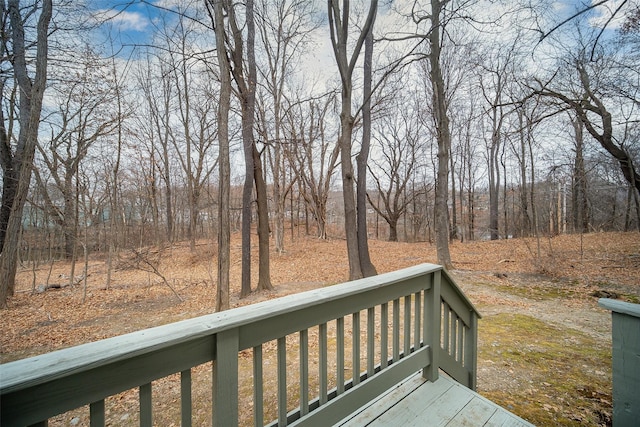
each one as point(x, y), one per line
point(392, 322)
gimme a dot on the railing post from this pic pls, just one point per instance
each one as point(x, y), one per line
point(96, 414)
point(225, 379)
point(471, 352)
point(432, 325)
point(626, 364)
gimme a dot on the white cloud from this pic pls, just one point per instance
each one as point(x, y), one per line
point(603, 14)
point(125, 20)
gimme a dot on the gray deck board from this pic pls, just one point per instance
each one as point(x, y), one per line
point(417, 402)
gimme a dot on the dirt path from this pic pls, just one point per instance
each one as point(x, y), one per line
point(544, 347)
point(555, 302)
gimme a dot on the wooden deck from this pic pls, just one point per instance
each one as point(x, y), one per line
point(379, 331)
point(445, 402)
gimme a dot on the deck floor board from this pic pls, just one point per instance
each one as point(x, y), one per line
point(417, 402)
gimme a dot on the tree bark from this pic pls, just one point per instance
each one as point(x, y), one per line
point(579, 201)
point(224, 184)
point(453, 234)
point(247, 91)
point(339, 29)
point(264, 271)
point(367, 267)
point(441, 215)
point(18, 172)
point(601, 132)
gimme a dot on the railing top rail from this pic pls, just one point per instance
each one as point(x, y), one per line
point(620, 306)
point(26, 373)
point(461, 294)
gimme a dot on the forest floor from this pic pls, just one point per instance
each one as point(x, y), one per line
point(544, 344)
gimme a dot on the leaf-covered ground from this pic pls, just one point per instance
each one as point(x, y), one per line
point(544, 344)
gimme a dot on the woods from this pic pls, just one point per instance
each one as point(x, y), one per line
point(147, 125)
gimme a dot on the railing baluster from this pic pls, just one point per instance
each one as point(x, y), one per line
point(340, 355)
point(282, 381)
point(304, 372)
point(185, 397)
point(454, 336)
point(461, 332)
point(355, 347)
point(371, 333)
point(417, 317)
point(396, 330)
point(407, 325)
point(225, 379)
point(446, 322)
point(258, 387)
point(322, 368)
point(384, 335)
point(470, 348)
point(96, 414)
point(146, 418)
point(432, 315)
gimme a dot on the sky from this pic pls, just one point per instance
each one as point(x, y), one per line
point(132, 21)
point(128, 21)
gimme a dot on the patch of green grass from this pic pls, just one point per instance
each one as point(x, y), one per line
point(562, 377)
point(538, 292)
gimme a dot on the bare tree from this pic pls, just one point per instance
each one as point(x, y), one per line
point(368, 269)
point(194, 140)
point(216, 13)
point(284, 27)
point(246, 89)
point(156, 130)
point(399, 139)
point(339, 29)
point(312, 155)
point(17, 162)
point(443, 135)
point(83, 117)
point(494, 82)
point(579, 200)
point(597, 119)
point(113, 174)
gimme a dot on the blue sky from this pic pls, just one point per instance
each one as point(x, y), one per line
point(128, 21)
point(131, 22)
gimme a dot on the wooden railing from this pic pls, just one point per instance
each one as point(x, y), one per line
point(625, 323)
point(392, 321)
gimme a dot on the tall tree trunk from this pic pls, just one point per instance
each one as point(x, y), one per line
point(113, 206)
point(348, 196)
point(264, 274)
point(453, 234)
point(339, 30)
point(505, 204)
point(579, 201)
point(441, 214)
point(636, 199)
point(525, 225)
point(224, 225)
point(627, 211)
point(247, 91)
point(278, 185)
point(17, 167)
point(494, 186)
point(69, 225)
point(367, 267)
